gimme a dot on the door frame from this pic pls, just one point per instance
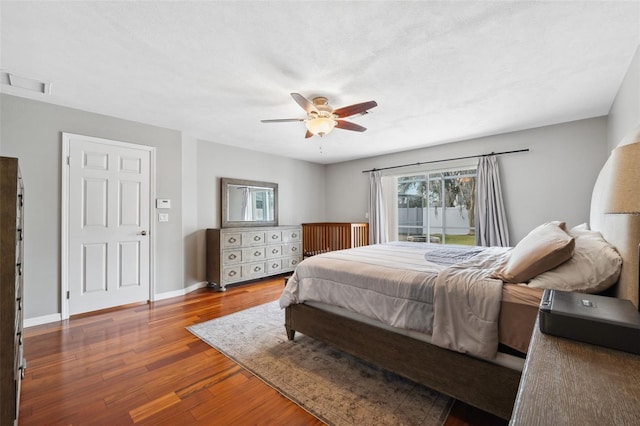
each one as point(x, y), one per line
point(64, 213)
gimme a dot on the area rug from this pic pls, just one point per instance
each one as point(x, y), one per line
point(333, 386)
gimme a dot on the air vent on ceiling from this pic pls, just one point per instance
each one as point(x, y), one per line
point(25, 83)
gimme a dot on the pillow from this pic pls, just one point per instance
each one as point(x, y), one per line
point(594, 267)
point(579, 229)
point(544, 248)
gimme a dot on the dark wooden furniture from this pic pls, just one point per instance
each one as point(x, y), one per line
point(12, 363)
point(566, 382)
point(488, 386)
point(321, 237)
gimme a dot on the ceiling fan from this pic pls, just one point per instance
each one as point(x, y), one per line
point(322, 118)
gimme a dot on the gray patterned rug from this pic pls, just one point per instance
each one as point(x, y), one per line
point(333, 386)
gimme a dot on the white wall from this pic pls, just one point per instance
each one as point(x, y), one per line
point(551, 182)
point(624, 116)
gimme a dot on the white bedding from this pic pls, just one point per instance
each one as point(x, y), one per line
point(394, 284)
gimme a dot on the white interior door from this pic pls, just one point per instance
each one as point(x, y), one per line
point(108, 223)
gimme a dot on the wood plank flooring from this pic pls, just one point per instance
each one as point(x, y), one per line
point(139, 365)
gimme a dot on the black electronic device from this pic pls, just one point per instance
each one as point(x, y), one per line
point(599, 320)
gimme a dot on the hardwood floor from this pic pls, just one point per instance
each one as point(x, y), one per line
point(139, 365)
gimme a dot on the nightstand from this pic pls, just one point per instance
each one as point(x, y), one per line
point(566, 382)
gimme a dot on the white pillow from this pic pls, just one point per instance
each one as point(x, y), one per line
point(579, 229)
point(594, 267)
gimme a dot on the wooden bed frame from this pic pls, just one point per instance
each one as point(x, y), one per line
point(482, 384)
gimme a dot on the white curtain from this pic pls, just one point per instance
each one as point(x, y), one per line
point(490, 217)
point(377, 222)
point(247, 204)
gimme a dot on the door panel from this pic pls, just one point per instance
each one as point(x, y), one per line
point(109, 198)
point(94, 268)
point(128, 265)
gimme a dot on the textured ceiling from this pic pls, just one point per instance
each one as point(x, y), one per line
point(440, 71)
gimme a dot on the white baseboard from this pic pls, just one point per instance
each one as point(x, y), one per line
point(46, 319)
point(181, 292)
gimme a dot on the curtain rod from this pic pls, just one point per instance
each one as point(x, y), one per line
point(448, 159)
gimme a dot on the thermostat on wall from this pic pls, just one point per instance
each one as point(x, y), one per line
point(163, 203)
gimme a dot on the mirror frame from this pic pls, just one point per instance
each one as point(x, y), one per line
point(224, 205)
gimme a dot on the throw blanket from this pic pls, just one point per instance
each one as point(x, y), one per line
point(393, 283)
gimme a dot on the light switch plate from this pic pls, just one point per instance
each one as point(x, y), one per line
point(163, 217)
point(163, 203)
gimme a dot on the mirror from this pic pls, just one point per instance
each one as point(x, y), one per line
point(249, 203)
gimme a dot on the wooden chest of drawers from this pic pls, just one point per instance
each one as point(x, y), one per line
point(243, 254)
point(12, 363)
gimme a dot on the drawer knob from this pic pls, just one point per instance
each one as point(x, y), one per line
point(257, 253)
point(294, 262)
point(274, 251)
point(274, 237)
point(232, 256)
point(257, 269)
point(275, 265)
point(257, 238)
point(231, 240)
point(294, 235)
point(231, 273)
point(294, 248)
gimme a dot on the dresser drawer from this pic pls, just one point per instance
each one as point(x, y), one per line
point(291, 262)
point(232, 274)
point(232, 240)
point(256, 238)
point(274, 237)
point(231, 257)
point(291, 235)
point(292, 249)
point(274, 251)
point(253, 254)
point(254, 270)
point(274, 266)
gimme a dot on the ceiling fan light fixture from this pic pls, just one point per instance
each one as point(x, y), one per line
point(320, 126)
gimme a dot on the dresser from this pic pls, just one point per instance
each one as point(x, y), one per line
point(243, 254)
point(12, 363)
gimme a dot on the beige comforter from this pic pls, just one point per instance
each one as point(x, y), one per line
point(393, 283)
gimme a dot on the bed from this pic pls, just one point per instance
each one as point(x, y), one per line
point(487, 379)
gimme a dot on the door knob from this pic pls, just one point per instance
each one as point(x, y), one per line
point(143, 233)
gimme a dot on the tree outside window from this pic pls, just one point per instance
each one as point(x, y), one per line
point(437, 207)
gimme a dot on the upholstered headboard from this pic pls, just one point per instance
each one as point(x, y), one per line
point(621, 230)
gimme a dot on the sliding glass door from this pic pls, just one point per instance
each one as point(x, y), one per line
point(437, 207)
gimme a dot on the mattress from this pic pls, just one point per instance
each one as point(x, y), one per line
point(518, 312)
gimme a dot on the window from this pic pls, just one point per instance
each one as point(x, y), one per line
point(437, 207)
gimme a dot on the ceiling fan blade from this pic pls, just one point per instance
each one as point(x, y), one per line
point(354, 109)
point(282, 120)
point(308, 135)
point(347, 125)
point(305, 103)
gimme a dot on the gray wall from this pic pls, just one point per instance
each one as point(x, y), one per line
point(301, 187)
point(551, 182)
point(32, 131)
point(188, 172)
point(624, 115)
